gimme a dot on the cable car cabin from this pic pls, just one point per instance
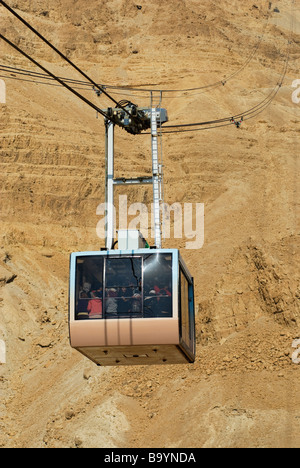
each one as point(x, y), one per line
point(132, 307)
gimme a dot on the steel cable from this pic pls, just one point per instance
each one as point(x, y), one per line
point(14, 13)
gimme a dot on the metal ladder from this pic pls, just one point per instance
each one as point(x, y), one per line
point(157, 178)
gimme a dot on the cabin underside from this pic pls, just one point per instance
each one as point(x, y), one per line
point(136, 355)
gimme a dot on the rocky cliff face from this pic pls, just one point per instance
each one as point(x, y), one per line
point(243, 388)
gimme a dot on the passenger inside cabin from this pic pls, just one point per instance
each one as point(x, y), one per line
point(84, 298)
point(85, 292)
point(162, 291)
point(125, 299)
point(98, 292)
point(94, 307)
point(159, 301)
point(134, 287)
point(89, 296)
point(111, 305)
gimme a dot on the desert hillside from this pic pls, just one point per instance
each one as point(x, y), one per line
point(243, 390)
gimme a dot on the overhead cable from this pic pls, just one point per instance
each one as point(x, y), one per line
point(14, 73)
point(250, 113)
point(222, 82)
point(244, 115)
point(270, 96)
point(53, 76)
point(102, 89)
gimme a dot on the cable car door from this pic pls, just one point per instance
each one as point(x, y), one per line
point(187, 313)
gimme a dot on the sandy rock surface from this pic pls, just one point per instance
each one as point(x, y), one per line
point(243, 390)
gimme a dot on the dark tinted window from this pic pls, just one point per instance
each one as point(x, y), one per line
point(123, 287)
point(157, 271)
point(130, 287)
